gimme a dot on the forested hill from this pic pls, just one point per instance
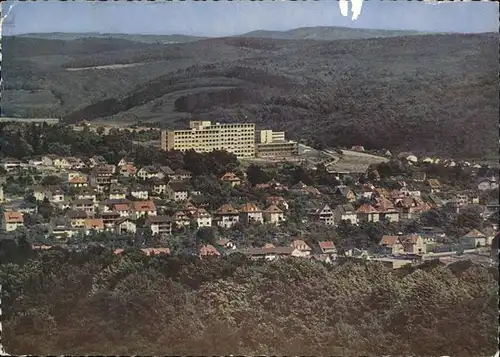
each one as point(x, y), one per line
point(329, 33)
point(431, 93)
point(94, 302)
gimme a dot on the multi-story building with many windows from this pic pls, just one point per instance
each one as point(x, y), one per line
point(274, 144)
point(205, 136)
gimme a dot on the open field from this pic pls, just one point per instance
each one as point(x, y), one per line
point(109, 66)
point(353, 161)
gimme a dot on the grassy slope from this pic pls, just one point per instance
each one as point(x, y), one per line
point(423, 93)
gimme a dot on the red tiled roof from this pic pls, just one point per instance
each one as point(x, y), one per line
point(230, 176)
point(389, 240)
point(273, 209)
point(144, 206)
point(209, 250)
point(326, 245)
point(366, 208)
point(94, 223)
point(250, 208)
point(474, 234)
point(13, 217)
point(227, 209)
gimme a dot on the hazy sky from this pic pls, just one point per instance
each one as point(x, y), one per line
point(229, 18)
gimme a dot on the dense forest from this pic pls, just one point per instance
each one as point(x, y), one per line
point(423, 93)
point(95, 302)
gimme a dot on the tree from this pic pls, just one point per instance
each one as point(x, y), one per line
point(256, 175)
point(206, 235)
point(45, 209)
point(51, 180)
point(100, 130)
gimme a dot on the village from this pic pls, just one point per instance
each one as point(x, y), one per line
point(84, 197)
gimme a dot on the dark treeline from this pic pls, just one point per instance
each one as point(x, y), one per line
point(96, 302)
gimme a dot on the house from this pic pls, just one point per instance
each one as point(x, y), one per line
point(302, 247)
point(231, 178)
point(327, 247)
point(273, 214)
point(474, 239)
point(399, 245)
point(62, 163)
point(35, 161)
point(158, 187)
point(305, 189)
point(139, 192)
point(208, 250)
point(391, 245)
point(102, 176)
point(150, 172)
point(38, 192)
point(181, 219)
point(77, 218)
point(250, 213)
point(143, 208)
point(487, 184)
point(54, 194)
point(48, 160)
point(323, 215)
point(323, 258)
point(367, 213)
point(180, 175)
point(1, 194)
point(490, 234)
point(124, 209)
point(96, 161)
point(367, 191)
point(60, 228)
point(202, 218)
point(189, 208)
point(177, 191)
point(110, 218)
point(125, 226)
point(411, 159)
point(94, 225)
point(155, 251)
point(128, 170)
point(160, 225)
point(414, 244)
point(26, 207)
point(12, 220)
point(87, 194)
point(75, 163)
point(346, 192)
point(167, 171)
point(278, 201)
point(76, 180)
point(386, 209)
point(117, 193)
point(10, 164)
point(434, 184)
point(125, 161)
point(273, 185)
point(226, 216)
point(345, 213)
point(84, 205)
point(358, 148)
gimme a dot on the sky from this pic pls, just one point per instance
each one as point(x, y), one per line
point(225, 18)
